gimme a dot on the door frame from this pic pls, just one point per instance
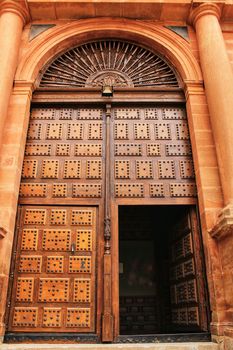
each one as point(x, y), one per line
point(201, 278)
point(90, 97)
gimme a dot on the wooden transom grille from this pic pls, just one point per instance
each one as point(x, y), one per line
point(114, 63)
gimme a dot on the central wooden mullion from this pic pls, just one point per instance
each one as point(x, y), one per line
point(107, 320)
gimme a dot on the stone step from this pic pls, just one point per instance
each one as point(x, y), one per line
point(161, 346)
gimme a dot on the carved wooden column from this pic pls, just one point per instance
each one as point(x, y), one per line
point(13, 16)
point(107, 321)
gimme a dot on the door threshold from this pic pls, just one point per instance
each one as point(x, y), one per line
point(51, 337)
point(165, 338)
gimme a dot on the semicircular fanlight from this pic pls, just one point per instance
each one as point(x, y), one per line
point(111, 62)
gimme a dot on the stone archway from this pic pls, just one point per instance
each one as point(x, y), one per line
point(57, 39)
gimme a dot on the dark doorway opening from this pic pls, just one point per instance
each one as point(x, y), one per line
point(160, 291)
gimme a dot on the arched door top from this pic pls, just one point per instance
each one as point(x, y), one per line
point(60, 38)
point(109, 63)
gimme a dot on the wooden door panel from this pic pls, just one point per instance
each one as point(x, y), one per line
point(156, 142)
point(63, 155)
point(65, 162)
point(54, 274)
point(188, 310)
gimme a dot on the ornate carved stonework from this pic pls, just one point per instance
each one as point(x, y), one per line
point(224, 225)
point(112, 63)
point(109, 78)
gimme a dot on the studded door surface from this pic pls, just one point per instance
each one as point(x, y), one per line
point(152, 153)
point(153, 160)
point(54, 273)
point(63, 155)
point(187, 296)
point(64, 164)
point(54, 282)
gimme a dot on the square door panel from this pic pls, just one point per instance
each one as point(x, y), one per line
point(29, 239)
point(58, 217)
point(95, 131)
point(53, 290)
point(82, 290)
point(54, 131)
point(25, 317)
point(144, 169)
point(122, 169)
point(80, 264)
point(84, 240)
point(34, 131)
point(81, 217)
point(78, 317)
point(162, 131)
point(50, 169)
point(30, 264)
point(56, 240)
point(29, 170)
point(55, 264)
point(142, 131)
point(94, 169)
point(75, 131)
point(59, 190)
point(121, 131)
point(25, 289)
point(52, 317)
point(35, 217)
point(72, 169)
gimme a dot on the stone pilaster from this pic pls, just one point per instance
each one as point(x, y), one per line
point(218, 80)
point(13, 16)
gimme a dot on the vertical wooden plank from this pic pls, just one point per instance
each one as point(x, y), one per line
point(107, 320)
point(200, 270)
point(115, 268)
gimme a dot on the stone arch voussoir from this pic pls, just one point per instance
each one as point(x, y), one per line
point(56, 40)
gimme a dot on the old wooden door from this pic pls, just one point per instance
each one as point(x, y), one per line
point(161, 275)
point(187, 276)
point(80, 164)
point(153, 166)
point(54, 282)
point(54, 286)
point(82, 161)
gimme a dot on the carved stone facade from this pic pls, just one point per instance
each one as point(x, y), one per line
point(163, 136)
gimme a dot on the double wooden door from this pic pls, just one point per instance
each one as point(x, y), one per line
point(79, 163)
